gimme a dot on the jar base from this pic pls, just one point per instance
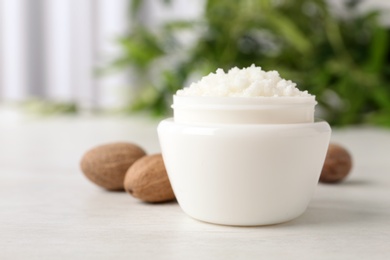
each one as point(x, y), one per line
point(244, 175)
point(244, 223)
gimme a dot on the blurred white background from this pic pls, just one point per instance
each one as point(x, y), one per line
point(50, 49)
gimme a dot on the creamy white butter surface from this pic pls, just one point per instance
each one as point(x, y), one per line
point(246, 82)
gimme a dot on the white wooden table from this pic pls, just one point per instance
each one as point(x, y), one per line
point(49, 210)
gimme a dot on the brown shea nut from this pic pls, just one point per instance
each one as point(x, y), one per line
point(147, 180)
point(106, 165)
point(338, 163)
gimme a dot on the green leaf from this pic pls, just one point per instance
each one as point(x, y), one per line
point(381, 96)
point(179, 25)
point(135, 6)
point(141, 48)
point(290, 32)
point(379, 48)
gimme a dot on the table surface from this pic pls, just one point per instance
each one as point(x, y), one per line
point(49, 210)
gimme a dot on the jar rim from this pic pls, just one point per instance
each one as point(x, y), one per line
point(200, 101)
point(241, 110)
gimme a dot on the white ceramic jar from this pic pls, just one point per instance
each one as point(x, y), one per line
point(243, 161)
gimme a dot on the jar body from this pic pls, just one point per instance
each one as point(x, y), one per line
point(243, 174)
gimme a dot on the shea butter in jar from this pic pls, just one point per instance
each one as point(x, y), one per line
point(243, 148)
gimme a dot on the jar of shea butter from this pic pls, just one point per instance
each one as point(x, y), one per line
point(243, 148)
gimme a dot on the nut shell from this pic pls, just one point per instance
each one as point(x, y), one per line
point(106, 165)
point(338, 164)
point(147, 180)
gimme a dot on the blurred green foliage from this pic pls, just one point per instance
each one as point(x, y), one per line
point(342, 59)
point(49, 108)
